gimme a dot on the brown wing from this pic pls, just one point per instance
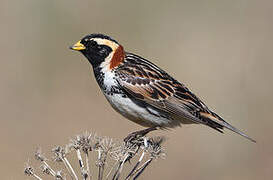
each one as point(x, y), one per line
point(163, 94)
point(147, 82)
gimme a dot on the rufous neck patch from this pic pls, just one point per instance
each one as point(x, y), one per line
point(118, 57)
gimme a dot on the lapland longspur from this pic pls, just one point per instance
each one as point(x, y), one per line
point(141, 91)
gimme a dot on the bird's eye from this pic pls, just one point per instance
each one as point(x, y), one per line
point(102, 50)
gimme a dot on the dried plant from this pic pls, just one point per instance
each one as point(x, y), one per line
point(99, 158)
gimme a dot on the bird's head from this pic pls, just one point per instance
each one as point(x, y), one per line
point(100, 50)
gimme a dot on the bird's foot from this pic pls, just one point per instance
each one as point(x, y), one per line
point(139, 134)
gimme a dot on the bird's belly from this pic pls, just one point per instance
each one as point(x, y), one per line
point(136, 113)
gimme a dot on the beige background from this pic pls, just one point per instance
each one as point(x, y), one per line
point(222, 50)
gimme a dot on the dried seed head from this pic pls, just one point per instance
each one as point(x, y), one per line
point(29, 171)
point(117, 153)
point(39, 156)
point(59, 175)
point(97, 141)
point(45, 169)
point(122, 152)
point(85, 141)
point(59, 153)
point(107, 144)
point(126, 150)
point(154, 147)
point(85, 174)
point(74, 144)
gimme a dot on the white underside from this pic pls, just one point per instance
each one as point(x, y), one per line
point(135, 113)
point(127, 107)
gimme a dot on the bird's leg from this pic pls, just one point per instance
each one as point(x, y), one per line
point(141, 133)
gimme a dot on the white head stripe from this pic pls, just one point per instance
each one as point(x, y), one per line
point(107, 42)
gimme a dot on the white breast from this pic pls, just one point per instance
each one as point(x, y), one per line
point(127, 107)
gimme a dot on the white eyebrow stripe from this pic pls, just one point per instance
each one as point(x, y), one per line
point(107, 42)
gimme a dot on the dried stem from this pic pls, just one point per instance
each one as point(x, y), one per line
point(110, 171)
point(107, 152)
point(118, 172)
point(100, 174)
point(83, 171)
point(69, 168)
point(45, 166)
point(142, 168)
point(87, 165)
point(136, 165)
point(50, 170)
point(60, 156)
point(37, 177)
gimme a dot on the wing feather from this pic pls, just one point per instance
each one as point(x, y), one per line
point(145, 81)
point(154, 86)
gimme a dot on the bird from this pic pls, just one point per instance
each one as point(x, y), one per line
point(143, 92)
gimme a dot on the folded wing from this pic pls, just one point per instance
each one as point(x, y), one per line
point(145, 81)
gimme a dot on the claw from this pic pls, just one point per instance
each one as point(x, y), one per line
point(139, 134)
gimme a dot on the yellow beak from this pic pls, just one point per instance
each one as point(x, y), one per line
point(78, 46)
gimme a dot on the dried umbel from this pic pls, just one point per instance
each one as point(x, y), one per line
point(99, 158)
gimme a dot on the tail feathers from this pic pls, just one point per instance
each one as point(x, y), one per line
point(214, 125)
point(217, 123)
point(228, 126)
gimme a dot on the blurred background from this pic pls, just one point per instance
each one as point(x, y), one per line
point(222, 50)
